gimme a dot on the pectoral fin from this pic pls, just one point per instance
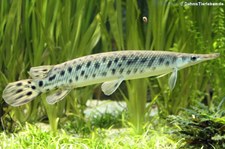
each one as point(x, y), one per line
point(57, 96)
point(173, 79)
point(110, 87)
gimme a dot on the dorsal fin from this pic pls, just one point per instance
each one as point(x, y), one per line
point(40, 71)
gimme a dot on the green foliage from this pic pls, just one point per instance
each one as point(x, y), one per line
point(108, 120)
point(201, 127)
point(34, 137)
point(136, 103)
point(75, 124)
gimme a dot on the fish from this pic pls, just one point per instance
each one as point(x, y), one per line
point(108, 68)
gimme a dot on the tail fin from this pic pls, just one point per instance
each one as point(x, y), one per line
point(20, 92)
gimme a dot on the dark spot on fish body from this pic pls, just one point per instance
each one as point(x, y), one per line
point(33, 87)
point(135, 59)
point(70, 69)
point(86, 76)
point(104, 59)
point(151, 61)
point(45, 70)
point(19, 90)
point(116, 60)
point(78, 67)
point(70, 80)
point(128, 71)
point(183, 58)
point(132, 61)
point(97, 65)
point(62, 73)
point(28, 82)
point(74, 62)
point(124, 57)
point(19, 84)
point(174, 59)
point(120, 64)
point(93, 75)
point(29, 93)
point(109, 64)
point(82, 72)
point(121, 70)
point(113, 71)
point(40, 83)
point(129, 62)
point(76, 78)
point(52, 78)
point(143, 60)
point(88, 64)
point(104, 73)
point(167, 63)
point(161, 60)
point(135, 70)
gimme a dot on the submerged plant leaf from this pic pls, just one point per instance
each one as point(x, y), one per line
point(201, 127)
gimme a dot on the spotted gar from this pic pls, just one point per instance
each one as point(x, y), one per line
point(109, 68)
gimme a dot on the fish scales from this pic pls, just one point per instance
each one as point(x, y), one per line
point(104, 67)
point(109, 68)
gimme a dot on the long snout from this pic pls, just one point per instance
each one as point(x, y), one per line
point(210, 56)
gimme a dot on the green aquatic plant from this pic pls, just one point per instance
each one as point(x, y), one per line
point(33, 136)
point(201, 126)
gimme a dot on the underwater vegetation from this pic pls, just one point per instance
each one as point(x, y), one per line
point(38, 32)
point(201, 126)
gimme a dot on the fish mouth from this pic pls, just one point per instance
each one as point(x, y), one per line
point(211, 56)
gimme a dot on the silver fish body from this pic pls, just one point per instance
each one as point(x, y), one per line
point(109, 68)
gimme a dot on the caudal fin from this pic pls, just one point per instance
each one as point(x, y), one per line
point(20, 92)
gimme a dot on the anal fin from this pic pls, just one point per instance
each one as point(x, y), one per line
point(110, 87)
point(57, 96)
point(40, 71)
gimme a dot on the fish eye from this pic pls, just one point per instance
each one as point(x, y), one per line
point(193, 58)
